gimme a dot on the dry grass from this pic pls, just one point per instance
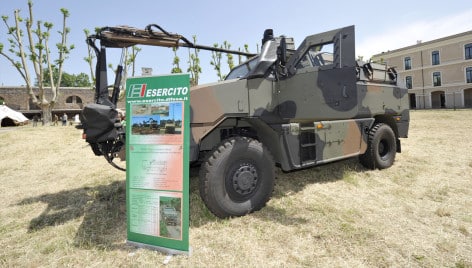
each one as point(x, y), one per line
point(62, 206)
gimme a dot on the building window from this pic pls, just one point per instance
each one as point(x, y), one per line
point(436, 79)
point(468, 74)
point(468, 51)
point(407, 63)
point(408, 82)
point(435, 57)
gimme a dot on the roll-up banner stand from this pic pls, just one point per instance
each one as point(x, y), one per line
point(157, 162)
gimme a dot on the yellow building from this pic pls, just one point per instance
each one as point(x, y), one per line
point(437, 73)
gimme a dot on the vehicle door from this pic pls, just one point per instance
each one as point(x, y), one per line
point(321, 79)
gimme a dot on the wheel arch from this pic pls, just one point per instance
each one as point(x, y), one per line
point(390, 121)
point(245, 127)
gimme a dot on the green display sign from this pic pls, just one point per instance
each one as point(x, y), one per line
point(157, 161)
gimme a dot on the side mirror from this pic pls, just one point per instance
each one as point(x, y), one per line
point(282, 51)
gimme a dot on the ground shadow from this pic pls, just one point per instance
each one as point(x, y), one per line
point(296, 181)
point(103, 209)
point(293, 182)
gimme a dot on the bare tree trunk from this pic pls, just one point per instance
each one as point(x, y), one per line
point(39, 55)
point(46, 112)
point(23, 59)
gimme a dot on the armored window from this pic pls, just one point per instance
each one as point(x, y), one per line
point(408, 82)
point(407, 63)
point(468, 51)
point(304, 62)
point(436, 79)
point(468, 74)
point(318, 55)
point(242, 70)
point(70, 99)
point(435, 57)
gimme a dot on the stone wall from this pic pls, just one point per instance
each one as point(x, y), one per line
point(69, 98)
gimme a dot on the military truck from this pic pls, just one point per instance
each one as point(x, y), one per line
point(288, 107)
point(170, 215)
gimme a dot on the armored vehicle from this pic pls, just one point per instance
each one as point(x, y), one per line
point(288, 107)
point(170, 215)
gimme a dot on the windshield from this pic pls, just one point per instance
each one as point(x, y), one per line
point(243, 69)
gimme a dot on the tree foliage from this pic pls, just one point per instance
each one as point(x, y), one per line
point(194, 64)
point(216, 61)
point(68, 80)
point(217, 56)
point(240, 57)
point(176, 62)
point(229, 56)
point(130, 60)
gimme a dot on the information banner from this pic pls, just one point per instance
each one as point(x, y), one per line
point(157, 161)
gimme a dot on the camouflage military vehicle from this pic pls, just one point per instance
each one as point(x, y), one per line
point(169, 128)
point(290, 107)
point(170, 215)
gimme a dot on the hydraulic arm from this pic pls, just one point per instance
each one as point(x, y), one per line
point(102, 128)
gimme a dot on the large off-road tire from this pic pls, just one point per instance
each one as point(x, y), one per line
point(381, 148)
point(237, 177)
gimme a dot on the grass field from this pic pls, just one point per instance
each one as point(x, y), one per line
point(63, 206)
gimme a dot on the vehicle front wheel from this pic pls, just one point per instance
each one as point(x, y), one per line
point(237, 177)
point(381, 148)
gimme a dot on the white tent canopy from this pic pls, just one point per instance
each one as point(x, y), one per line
point(6, 112)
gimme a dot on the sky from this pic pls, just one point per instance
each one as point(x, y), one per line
point(380, 26)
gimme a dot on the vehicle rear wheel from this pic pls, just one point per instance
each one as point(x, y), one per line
point(381, 148)
point(237, 177)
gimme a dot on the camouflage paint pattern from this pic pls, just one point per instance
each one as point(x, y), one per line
point(309, 115)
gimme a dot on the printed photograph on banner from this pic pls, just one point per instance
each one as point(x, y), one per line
point(170, 213)
point(160, 118)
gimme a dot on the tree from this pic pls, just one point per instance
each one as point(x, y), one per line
point(194, 64)
point(68, 80)
point(216, 61)
point(37, 52)
point(176, 63)
point(246, 49)
point(229, 56)
point(128, 62)
point(90, 57)
point(217, 56)
point(128, 59)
